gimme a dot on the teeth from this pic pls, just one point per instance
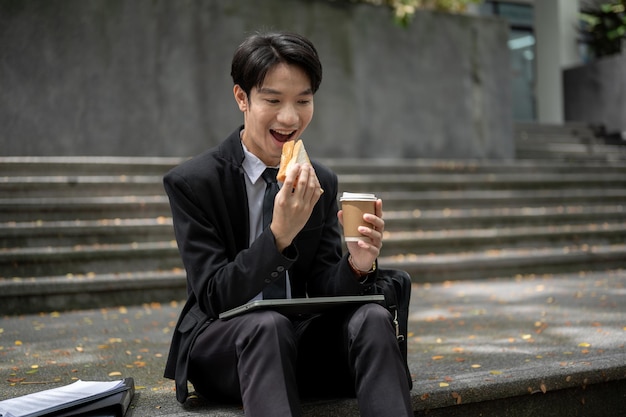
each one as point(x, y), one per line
point(284, 132)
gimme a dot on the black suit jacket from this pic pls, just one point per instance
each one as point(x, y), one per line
point(210, 211)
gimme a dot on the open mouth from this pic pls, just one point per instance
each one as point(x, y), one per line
point(282, 135)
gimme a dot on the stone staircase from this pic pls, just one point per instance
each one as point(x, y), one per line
point(96, 231)
point(569, 141)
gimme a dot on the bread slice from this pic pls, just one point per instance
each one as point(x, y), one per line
point(293, 152)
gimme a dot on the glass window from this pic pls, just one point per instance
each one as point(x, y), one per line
point(516, 14)
point(522, 45)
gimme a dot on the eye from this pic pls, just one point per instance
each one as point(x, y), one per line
point(272, 100)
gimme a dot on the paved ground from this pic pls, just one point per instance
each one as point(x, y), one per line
point(470, 341)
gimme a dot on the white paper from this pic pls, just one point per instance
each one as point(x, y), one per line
point(44, 402)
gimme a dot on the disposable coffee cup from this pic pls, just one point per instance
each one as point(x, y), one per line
point(354, 205)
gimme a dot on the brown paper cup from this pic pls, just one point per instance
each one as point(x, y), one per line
point(354, 206)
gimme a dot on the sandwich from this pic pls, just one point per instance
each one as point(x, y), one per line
point(293, 152)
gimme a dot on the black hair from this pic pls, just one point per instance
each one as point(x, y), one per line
point(260, 52)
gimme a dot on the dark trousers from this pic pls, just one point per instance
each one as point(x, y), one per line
point(267, 361)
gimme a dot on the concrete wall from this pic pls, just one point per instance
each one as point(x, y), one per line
point(596, 93)
point(151, 78)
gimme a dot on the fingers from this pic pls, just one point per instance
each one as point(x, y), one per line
point(376, 220)
point(303, 182)
point(374, 231)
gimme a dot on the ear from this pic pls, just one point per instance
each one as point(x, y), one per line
point(240, 97)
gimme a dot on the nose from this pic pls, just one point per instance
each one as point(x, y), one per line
point(288, 115)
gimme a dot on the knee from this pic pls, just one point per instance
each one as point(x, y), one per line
point(373, 320)
point(372, 313)
point(271, 327)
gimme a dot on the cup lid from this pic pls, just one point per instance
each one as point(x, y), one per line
point(357, 196)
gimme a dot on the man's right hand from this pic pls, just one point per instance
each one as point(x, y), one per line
point(294, 203)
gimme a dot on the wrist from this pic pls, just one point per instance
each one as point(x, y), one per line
point(358, 271)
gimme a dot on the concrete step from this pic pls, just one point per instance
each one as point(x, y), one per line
point(151, 166)
point(570, 129)
point(87, 165)
point(93, 185)
point(490, 217)
point(568, 142)
point(569, 151)
point(22, 209)
point(508, 262)
point(82, 259)
point(31, 295)
point(85, 232)
point(483, 181)
point(82, 208)
point(139, 185)
point(436, 253)
point(420, 200)
point(28, 294)
point(92, 219)
point(89, 259)
point(417, 223)
point(531, 346)
point(459, 240)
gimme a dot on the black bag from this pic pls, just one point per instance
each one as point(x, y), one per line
point(395, 285)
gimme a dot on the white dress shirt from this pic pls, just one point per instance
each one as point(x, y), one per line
point(255, 189)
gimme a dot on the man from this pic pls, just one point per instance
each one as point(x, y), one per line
point(263, 358)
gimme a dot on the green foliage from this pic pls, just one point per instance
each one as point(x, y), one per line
point(404, 10)
point(604, 27)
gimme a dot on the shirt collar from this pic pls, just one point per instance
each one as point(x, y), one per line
point(252, 165)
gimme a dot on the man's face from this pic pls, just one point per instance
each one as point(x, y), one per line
point(276, 112)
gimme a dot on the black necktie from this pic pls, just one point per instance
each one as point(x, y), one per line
point(277, 288)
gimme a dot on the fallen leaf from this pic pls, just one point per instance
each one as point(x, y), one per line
point(543, 388)
point(457, 397)
point(115, 373)
point(438, 357)
point(495, 372)
point(584, 344)
point(444, 384)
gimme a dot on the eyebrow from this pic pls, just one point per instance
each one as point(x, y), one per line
point(266, 90)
